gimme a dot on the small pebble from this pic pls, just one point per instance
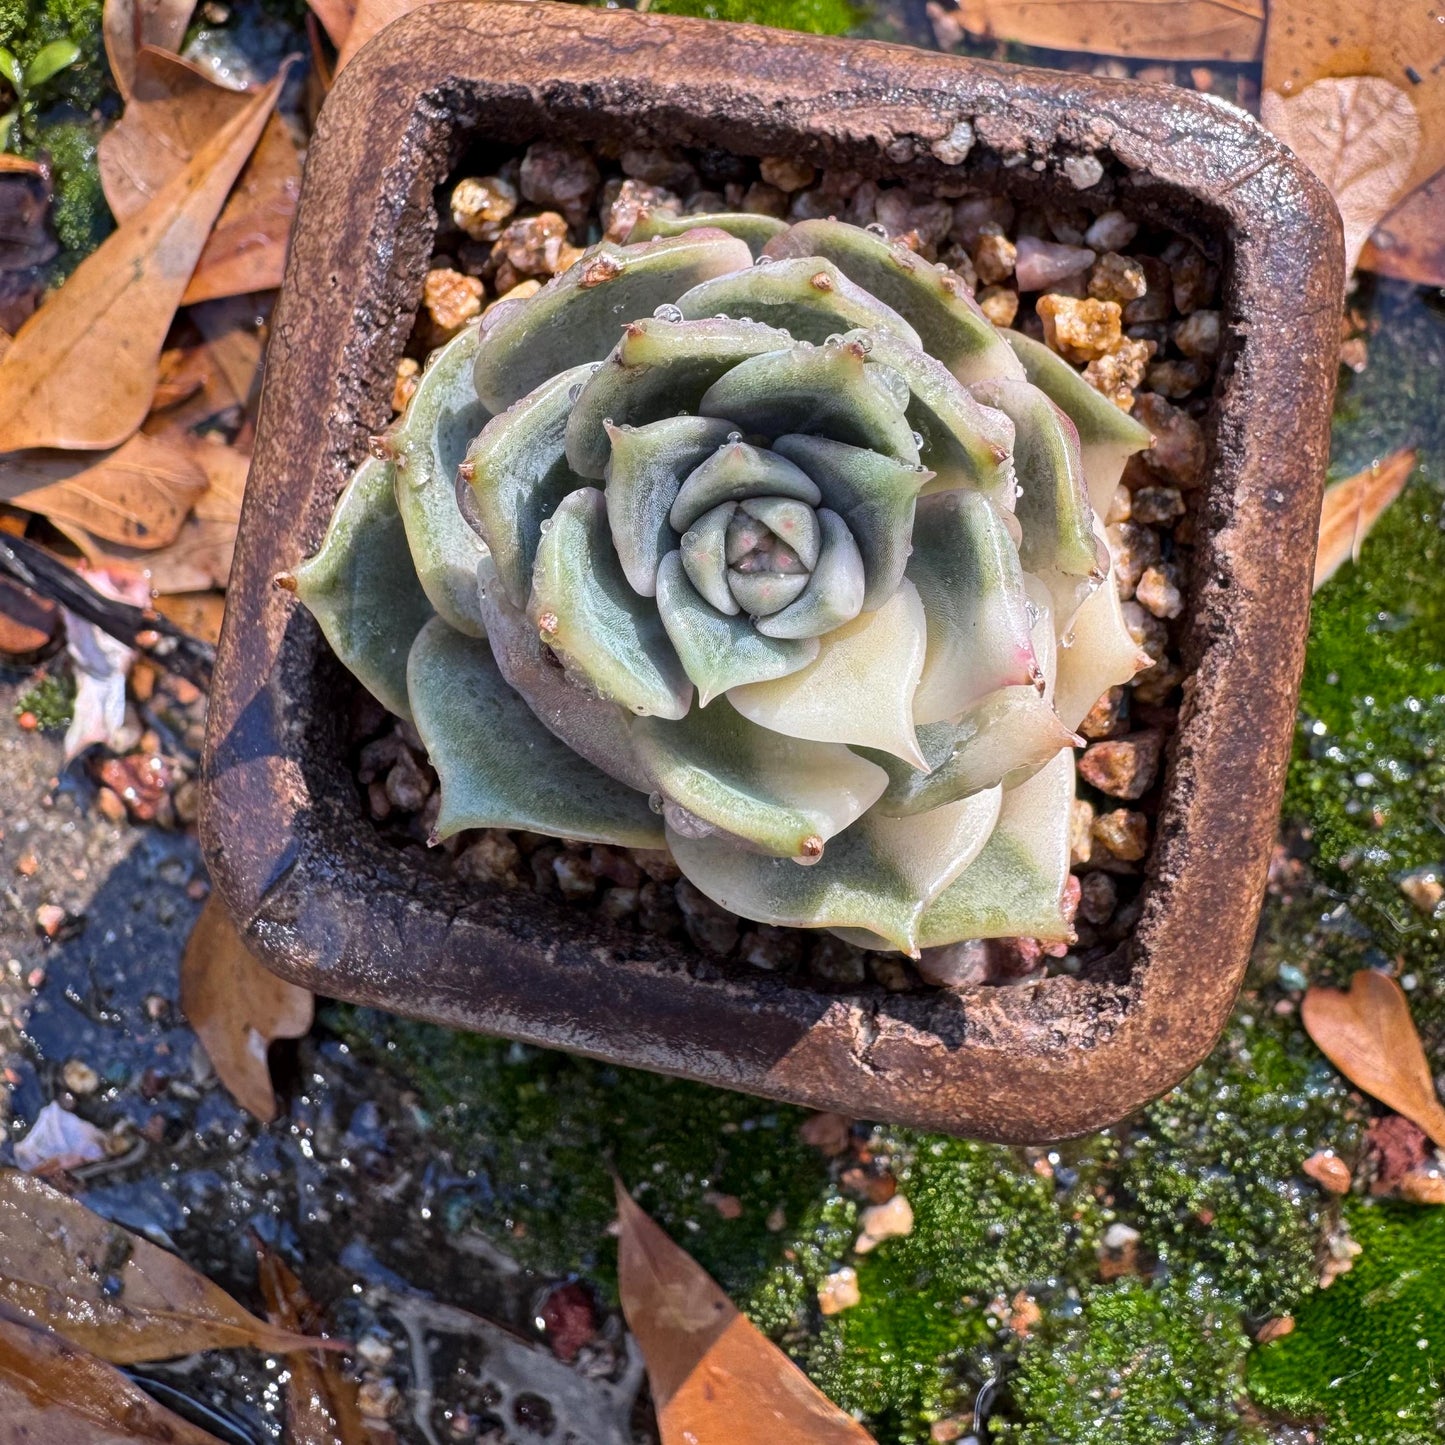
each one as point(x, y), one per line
point(1116, 278)
point(1158, 590)
point(1098, 897)
point(1156, 506)
point(1123, 767)
point(403, 388)
point(1041, 265)
point(1118, 373)
point(1111, 232)
point(1081, 832)
point(481, 206)
point(1079, 329)
point(1109, 717)
point(1177, 379)
point(79, 1077)
point(994, 256)
point(976, 216)
point(1083, 171)
point(1329, 1171)
point(785, 173)
point(1124, 834)
point(891, 1220)
point(1178, 451)
point(1000, 304)
point(451, 299)
point(562, 178)
point(1198, 334)
point(50, 919)
point(627, 205)
point(839, 1291)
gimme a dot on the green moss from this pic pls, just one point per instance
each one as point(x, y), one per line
point(822, 17)
point(1214, 1165)
point(1137, 1366)
point(1368, 1354)
point(50, 699)
point(79, 215)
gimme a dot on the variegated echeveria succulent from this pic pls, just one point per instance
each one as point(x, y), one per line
point(759, 540)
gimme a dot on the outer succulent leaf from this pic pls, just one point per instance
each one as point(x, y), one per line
point(498, 766)
point(1108, 437)
point(967, 572)
point(873, 494)
point(362, 589)
point(877, 875)
point(719, 651)
point(659, 369)
point(427, 445)
point(734, 471)
point(704, 559)
point(646, 468)
point(965, 443)
point(820, 391)
point(1015, 887)
point(518, 472)
point(756, 230)
point(1097, 653)
point(777, 794)
point(576, 315)
point(807, 297)
point(1059, 545)
point(605, 634)
point(835, 592)
point(933, 299)
point(595, 729)
point(860, 688)
point(760, 594)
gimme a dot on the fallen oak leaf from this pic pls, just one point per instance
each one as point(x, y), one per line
point(335, 17)
point(129, 25)
point(108, 322)
point(1353, 506)
point(322, 1406)
point(1409, 244)
point(1360, 135)
point(137, 495)
point(112, 1292)
point(52, 1393)
point(1369, 1036)
point(199, 613)
point(238, 1008)
point(1157, 29)
point(715, 1377)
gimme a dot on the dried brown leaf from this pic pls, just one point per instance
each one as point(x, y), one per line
point(1409, 243)
point(1353, 506)
point(714, 1376)
point(336, 17)
point(1360, 135)
point(1369, 1036)
point(107, 324)
point(128, 25)
point(110, 1291)
point(322, 1405)
point(1159, 29)
point(1311, 40)
point(238, 1008)
point(138, 495)
point(199, 613)
point(372, 17)
point(247, 249)
point(54, 1394)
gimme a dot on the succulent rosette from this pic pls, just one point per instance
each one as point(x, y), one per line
point(760, 541)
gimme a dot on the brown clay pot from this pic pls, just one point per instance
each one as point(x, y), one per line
point(326, 902)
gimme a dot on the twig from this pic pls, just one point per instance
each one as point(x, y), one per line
point(142, 628)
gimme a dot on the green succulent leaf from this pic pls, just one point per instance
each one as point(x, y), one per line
point(860, 688)
point(10, 69)
point(428, 445)
point(965, 444)
point(1098, 653)
point(880, 874)
point(874, 494)
point(820, 390)
point(735, 471)
point(659, 369)
point(933, 299)
point(498, 766)
point(835, 592)
point(807, 297)
point(518, 472)
point(757, 230)
point(362, 589)
point(604, 633)
point(967, 572)
point(775, 793)
point(575, 317)
point(1108, 437)
point(1015, 886)
point(592, 727)
point(720, 650)
point(704, 559)
point(1059, 545)
point(49, 61)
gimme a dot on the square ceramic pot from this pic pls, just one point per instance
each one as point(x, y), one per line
point(327, 902)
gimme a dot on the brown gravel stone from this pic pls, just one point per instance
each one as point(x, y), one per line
point(1195, 280)
point(1198, 334)
point(658, 167)
point(481, 206)
point(1109, 717)
point(493, 858)
point(1147, 630)
point(993, 257)
point(1155, 506)
point(618, 904)
point(901, 211)
point(408, 376)
point(1081, 831)
point(657, 908)
point(1154, 684)
point(954, 965)
point(1098, 897)
point(1123, 834)
point(1118, 372)
point(761, 199)
point(1117, 278)
point(1329, 1171)
point(1110, 232)
point(530, 246)
point(1156, 304)
point(1158, 590)
point(1079, 330)
point(834, 961)
point(975, 215)
point(1178, 452)
point(1423, 1186)
point(451, 299)
point(772, 948)
point(1123, 767)
point(1424, 889)
point(708, 925)
point(657, 864)
point(786, 173)
point(1044, 265)
point(1178, 379)
point(1134, 549)
point(999, 304)
point(625, 201)
point(961, 264)
point(562, 178)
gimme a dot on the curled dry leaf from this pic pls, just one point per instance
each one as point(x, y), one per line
point(1353, 506)
point(51, 1393)
point(107, 324)
point(238, 1008)
point(336, 17)
point(322, 1407)
point(715, 1378)
point(1369, 1036)
point(129, 25)
point(110, 1291)
point(138, 495)
point(1409, 243)
point(1159, 29)
point(1360, 135)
